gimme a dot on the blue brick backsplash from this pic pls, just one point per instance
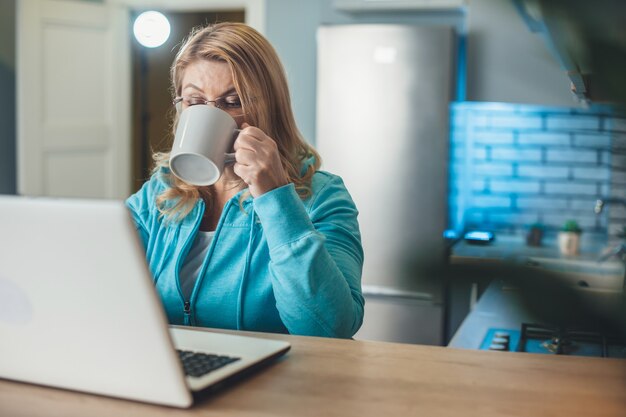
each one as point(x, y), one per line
point(513, 165)
point(572, 122)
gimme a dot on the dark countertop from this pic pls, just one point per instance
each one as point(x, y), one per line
point(513, 247)
point(584, 267)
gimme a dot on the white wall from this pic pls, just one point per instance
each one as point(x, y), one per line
point(291, 26)
point(505, 61)
point(508, 63)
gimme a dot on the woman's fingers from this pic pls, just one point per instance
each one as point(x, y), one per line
point(258, 161)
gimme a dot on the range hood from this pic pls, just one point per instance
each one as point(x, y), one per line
point(583, 43)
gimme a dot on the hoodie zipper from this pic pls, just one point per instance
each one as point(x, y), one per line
point(207, 259)
point(187, 321)
point(187, 311)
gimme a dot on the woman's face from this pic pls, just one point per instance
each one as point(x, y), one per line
point(210, 82)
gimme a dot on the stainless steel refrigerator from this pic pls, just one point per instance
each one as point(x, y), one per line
point(383, 94)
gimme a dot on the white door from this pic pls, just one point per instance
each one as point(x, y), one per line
point(73, 94)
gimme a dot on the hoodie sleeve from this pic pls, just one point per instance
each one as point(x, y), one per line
point(316, 258)
point(141, 205)
point(132, 203)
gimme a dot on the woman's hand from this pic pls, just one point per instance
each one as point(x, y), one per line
point(258, 161)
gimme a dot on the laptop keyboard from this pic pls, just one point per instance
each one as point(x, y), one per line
point(197, 364)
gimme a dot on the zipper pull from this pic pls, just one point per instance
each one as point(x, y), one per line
point(187, 311)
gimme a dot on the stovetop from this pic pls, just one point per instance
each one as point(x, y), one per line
point(500, 312)
point(542, 339)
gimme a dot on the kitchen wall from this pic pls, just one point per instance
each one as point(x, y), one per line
point(7, 97)
point(535, 170)
point(514, 165)
point(292, 26)
point(505, 61)
point(508, 63)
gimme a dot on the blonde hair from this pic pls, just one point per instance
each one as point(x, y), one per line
point(261, 84)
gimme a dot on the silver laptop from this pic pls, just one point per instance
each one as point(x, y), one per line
point(78, 309)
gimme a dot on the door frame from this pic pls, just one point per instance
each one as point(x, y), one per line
point(254, 11)
point(29, 170)
point(254, 15)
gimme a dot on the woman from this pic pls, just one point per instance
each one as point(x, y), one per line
point(274, 245)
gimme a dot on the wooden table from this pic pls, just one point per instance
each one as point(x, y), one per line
point(325, 377)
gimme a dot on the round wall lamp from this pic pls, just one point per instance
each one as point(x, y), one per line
point(151, 29)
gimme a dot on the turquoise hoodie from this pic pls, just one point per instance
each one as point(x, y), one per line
point(276, 263)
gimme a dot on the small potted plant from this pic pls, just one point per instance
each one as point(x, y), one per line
point(535, 234)
point(569, 238)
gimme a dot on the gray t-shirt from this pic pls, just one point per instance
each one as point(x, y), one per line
point(193, 263)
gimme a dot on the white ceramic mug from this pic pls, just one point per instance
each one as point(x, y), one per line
point(203, 137)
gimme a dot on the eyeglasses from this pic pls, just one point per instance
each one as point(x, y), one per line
point(230, 104)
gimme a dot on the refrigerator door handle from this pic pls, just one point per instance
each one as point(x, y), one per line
point(382, 291)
